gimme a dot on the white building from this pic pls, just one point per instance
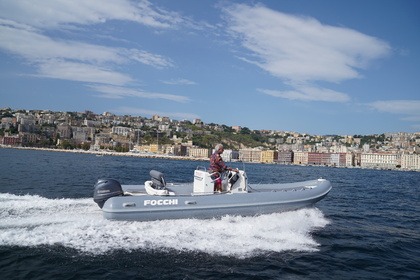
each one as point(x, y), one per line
point(229, 155)
point(90, 123)
point(350, 159)
point(410, 161)
point(380, 160)
point(121, 130)
point(338, 159)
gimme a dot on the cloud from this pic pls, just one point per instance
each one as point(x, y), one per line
point(24, 27)
point(81, 72)
point(410, 109)
point(147, 58)
point(405, 107)
point(36, 47)
point(147, 112)
point(309, 94)
point(179, 82)
point(53, 14)
point(115, 92)
point(301, 48)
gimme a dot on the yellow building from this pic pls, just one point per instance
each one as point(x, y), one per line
point(269, 156)
point(155, 148)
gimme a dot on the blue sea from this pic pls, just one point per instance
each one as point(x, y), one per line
point(366, 228)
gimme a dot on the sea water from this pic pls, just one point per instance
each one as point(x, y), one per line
point(366, 228)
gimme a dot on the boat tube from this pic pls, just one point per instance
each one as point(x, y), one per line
point(156, 200)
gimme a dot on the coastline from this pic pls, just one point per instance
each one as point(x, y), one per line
point(170, 157)
point(109, 153)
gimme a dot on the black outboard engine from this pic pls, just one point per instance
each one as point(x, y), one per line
point(104, 189)
point(158, 182)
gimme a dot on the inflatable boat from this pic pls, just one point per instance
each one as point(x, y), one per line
point(156, 200)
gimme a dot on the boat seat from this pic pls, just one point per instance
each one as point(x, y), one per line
point(151, 190)
point(157, 184)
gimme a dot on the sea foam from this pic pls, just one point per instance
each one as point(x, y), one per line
point(31, 220)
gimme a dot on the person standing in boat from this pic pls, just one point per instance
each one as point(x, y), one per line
point(218, 166)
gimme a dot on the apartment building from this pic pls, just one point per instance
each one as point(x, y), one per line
point(11, 140)
point(269, 156)
point(300, 157)
point(319, 158)
point(380, 160)
point(410, 161)
point(198, 152)
point(229, 155)
point(338, 159)
point(155, 148)
point(285, 157)
point(250, 155)
point(121, 130)
point(350, 159)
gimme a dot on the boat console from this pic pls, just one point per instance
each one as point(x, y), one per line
point(233, 182)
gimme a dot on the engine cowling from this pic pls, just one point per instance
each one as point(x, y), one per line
point(105, 189)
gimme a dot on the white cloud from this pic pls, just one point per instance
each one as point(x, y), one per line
point(147, 112)
point(25, 31)
point(410, 109)
point(179, 82)
point(300, 49)
point(81, 72)
point(309, 94)
point(405, 107)
point(53, 14)
point(114, 92)
point(147, 58)
point(36, 47)
point(73, 60)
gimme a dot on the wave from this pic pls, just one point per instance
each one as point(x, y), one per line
point(31, 220)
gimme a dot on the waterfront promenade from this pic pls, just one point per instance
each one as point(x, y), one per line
point(165, 156)
point(111, 153)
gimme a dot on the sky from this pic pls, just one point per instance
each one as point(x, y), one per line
point(309, 66)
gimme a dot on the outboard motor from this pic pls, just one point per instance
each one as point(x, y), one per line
point(158, 182)
point(105, 189)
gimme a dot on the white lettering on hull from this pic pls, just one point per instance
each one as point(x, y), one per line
point(160, 202)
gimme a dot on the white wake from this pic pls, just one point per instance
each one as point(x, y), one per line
point(32, 220)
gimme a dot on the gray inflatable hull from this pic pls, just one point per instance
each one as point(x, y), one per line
point(260, 199)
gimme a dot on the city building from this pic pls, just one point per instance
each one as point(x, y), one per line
point(285, 157)
point(338, 159)
point(380, 160)
point(300, 157)
point(78, 130)
point(229, 155)
point(410, 161)
point(198, 152)
point(250, 155)
point(269, 156)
